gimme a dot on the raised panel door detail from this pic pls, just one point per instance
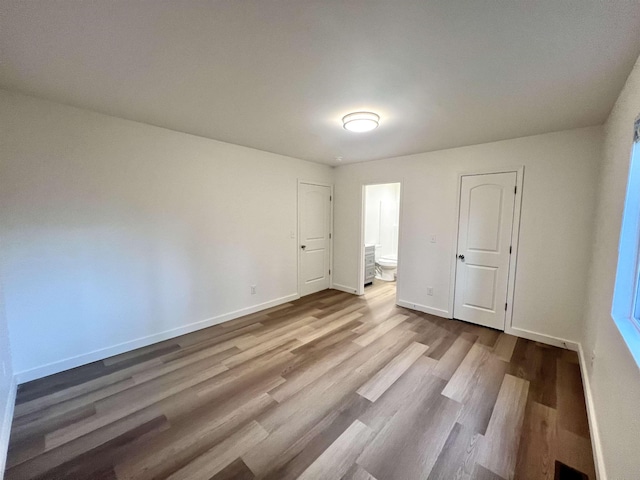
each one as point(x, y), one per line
point(314, 266)
point(315, 215)
point(485, 215)
point(480, 287)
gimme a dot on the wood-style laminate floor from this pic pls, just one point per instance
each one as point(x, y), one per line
point(331, 386)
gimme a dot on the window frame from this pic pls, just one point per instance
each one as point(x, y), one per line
point(636, 309)
point(625, 309)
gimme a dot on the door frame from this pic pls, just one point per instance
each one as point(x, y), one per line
point(363, 206)
point(297, 239)
point(515, 237)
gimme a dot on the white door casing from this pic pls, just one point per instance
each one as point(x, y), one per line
point(485, 226)
point(314, 220)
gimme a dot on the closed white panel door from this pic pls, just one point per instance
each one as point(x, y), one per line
point(315, 241)
point(484, 248)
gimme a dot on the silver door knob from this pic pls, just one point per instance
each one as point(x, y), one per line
point(303, 247)
point(461, 257)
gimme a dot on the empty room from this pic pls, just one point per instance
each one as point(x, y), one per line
point(320, 240)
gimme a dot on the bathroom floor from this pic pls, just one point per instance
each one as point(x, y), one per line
point(332, 386)
point(377, 283)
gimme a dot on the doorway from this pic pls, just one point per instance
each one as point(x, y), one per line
point(314, 234)
point(381, 230)
point(488, 223)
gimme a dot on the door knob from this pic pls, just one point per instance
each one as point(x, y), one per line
point(461, 257)
point(303, 247)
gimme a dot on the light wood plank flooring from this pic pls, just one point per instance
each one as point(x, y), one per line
point(331, 386)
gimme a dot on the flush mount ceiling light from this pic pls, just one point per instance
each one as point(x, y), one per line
point(360, 121)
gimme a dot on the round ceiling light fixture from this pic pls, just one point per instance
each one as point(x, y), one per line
point(360, 121)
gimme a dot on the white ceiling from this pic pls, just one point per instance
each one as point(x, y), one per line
point(278, 75)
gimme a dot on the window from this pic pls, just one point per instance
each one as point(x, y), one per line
point(626, 297)
point(636, 314)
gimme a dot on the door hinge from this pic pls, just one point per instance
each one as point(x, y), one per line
point(330, 198)
point(505, 307)
point(329, 271)
point(515, 190)
point(329, 236)
point(510, 248)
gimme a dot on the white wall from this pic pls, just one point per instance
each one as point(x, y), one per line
point(114, 232)
point(557, 215)
point(7, 385)
point(614, 377)
point(382, 214)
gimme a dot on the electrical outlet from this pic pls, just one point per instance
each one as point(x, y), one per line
point(430, 291)
point(253, 289)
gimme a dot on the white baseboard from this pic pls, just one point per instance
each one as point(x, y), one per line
point(5, 425)
point(100, 354)
point(423, 308)
point(542, 338)
point(558, 342)
point(596, 445)
point(55, 367)
point(344, 288)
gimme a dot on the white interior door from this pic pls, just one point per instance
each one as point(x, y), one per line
point(484, 248)
point(314, 217)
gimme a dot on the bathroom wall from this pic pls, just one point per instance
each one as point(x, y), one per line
point(116, 234)
point(382, 215)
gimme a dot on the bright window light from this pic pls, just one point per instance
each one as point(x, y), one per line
point(626, 297)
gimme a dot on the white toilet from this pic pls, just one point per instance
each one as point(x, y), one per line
point(387, 268)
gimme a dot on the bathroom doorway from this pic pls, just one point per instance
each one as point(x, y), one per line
point(380, 234)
